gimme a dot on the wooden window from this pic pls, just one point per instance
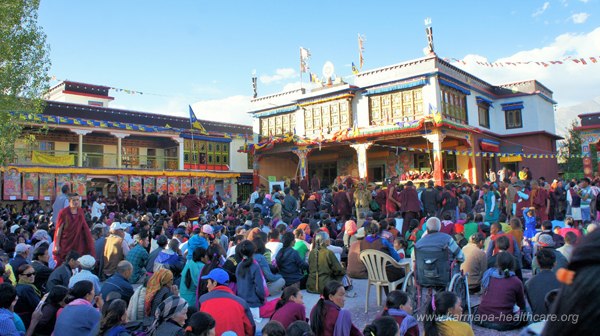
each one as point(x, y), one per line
point(395, 107)
point(484, 114)
point(513, 119)
point(454, 104)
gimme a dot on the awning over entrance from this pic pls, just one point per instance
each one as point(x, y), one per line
point(488, 145)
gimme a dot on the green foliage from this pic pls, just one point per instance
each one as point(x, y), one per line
point(24, 66)
point(570, 151)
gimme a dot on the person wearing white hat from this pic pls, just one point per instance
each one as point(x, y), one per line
point(115, 248)
point(86, 264)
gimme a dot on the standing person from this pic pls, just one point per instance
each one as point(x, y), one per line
point(80, 317)
point(430, 199)
point(586, 194)
point(61, 202)
point(221, 299)
point(492, 206)
point(328, 318)
point(391, 203)
point(315, 183)
point(72, 232)
point(152, 202)
point(540, 201)
point(97, 207)
point(410, 205)
point(193, 204)
point(362, 199)
point(342, 203)
point(443, 316)
point(164, 203)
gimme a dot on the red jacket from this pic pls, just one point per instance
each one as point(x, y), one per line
point(230, 312)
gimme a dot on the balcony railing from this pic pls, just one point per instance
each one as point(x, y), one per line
point(93, 159)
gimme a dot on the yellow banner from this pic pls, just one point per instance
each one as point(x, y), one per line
point(54, 160)
point(512, 158)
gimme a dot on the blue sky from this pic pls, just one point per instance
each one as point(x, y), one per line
point(204, 52)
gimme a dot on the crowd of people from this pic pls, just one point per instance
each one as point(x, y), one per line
point(199, 265)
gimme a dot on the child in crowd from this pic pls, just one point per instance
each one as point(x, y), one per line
point(400, 246)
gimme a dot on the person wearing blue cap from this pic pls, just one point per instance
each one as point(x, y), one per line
point(220, 298)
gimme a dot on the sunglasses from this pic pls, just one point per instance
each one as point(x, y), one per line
point(28, 274)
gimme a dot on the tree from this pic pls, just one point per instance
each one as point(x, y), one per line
point(570, 161)
point(24, 66)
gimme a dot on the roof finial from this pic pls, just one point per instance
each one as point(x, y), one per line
point(429, 31)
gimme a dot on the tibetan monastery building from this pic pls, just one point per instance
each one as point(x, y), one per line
point(98, 148)
point(424, 117)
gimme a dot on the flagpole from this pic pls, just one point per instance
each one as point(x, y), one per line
point(301, 68)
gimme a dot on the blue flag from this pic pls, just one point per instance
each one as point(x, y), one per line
point(194, 123)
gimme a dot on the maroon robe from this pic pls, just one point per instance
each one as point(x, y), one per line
point(75, 236)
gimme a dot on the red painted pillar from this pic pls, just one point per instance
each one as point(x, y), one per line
point(255, 171)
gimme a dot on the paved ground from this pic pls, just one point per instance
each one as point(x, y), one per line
point(357, 307)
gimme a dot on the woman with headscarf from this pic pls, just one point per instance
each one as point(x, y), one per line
point(349, 233)
point(306, 228)
point(160, 286)
point(170, 317)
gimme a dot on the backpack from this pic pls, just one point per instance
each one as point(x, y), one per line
point(433, 269)
point(135, 309)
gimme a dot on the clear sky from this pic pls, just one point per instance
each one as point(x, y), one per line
point(204, 52)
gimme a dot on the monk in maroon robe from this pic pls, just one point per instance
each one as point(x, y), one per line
point(72, 232)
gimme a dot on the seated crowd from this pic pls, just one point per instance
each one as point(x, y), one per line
point(213, 267)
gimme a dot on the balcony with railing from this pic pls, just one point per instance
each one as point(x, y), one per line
point(27, 157)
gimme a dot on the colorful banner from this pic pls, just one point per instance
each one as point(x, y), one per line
point(123, 184)
point(12, 185)
point(149, 185)
point(53, 160)
point(30, 186)
point(174, 185)
point(135, 185)
point(47, 183)
point(196, 183)
point(62, 179)
point(161, 184)
point(186, 185)
point(79, 184)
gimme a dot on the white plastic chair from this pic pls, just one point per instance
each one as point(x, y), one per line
point(376, 262)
